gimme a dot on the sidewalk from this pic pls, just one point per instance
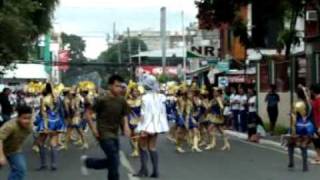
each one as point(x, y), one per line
point(274, 141)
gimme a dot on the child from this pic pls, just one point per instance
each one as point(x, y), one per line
point(12, 135)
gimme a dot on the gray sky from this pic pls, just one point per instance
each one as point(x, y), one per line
point(93, 19)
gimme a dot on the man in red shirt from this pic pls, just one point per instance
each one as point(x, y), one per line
point(315, 91)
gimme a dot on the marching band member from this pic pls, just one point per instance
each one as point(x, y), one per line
point(72, 105)
point(50, 124)
point(154, 121)
point(302, 128)
point(181, 121)
point(203, 116)
point(171, 107)
point(134, 101)
point(194, 120)
point(217, 121)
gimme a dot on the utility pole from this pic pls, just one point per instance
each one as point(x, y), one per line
point(163, 33)
point(129, 54)
point(129, 46)
point(139, 50)
point(184, 48)
point(116, 40)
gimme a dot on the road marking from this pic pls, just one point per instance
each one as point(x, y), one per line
point(125, 163)
point(268, 148)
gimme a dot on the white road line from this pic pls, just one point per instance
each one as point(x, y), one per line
point(125, 163)
point(268, 148)
point(267, 144)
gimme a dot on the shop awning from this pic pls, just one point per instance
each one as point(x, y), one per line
point(26, 71)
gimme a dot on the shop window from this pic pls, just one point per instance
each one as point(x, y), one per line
point(301, 71)
point(281, 76)
point(264, 77)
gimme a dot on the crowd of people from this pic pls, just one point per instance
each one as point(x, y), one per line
point(193, 115)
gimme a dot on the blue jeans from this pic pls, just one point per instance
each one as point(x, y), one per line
point(18, 166)
point(111, 162)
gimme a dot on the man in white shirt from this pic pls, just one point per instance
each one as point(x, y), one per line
point(235, 106)
point(243, 99)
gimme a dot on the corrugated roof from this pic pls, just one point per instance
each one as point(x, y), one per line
point(26, 71)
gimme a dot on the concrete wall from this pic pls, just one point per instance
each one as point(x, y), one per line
point(284, 108)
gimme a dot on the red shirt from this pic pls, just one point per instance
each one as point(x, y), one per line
point(316, 111)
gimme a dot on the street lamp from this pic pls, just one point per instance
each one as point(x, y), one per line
point(309, 53)
point(139, 49)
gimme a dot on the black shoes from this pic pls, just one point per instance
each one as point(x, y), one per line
point(154, 175)
point(142, 174)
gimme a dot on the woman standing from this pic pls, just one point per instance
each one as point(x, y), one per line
point(272, 100)
point(243, 113)
point(302, 128)
point(217, 121)
point(49, 123)
point(154, 121)
point(252, 116)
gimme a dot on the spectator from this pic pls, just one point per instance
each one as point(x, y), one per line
point(315, 91)
point(252, 116)
point(235, 105)
point(20, 101)
point(6, 106)
point(227, 111)
point(243, 99)
point(272, 99)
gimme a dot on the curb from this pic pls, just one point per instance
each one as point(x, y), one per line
point(244, 136)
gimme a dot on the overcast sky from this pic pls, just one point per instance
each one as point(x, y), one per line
point(93, 19)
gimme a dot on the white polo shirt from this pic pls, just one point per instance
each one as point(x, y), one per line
point(233, 99)
point(243, 102)
point(252, 104)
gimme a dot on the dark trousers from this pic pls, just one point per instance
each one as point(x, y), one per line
point(252, 123)
point(273, 113)
point(112, 160)
point(235, 114)
point(243, 120)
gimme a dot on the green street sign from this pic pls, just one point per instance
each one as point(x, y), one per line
point(47, 54)
point(223, 66)
point(213, 62)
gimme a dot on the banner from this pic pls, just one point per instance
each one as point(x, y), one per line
point(157, 70)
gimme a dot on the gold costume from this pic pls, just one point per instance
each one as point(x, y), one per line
point(216, 111)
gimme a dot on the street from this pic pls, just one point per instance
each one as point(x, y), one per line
point(245, 161)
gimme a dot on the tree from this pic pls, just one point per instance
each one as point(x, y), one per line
point(112, 54)
point(214, 13)
point(76, 46)
point(21, 22)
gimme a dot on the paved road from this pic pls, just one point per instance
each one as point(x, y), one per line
point(244, 162)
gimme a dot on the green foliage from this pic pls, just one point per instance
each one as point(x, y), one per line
point(214, 13)
point(75, 44)
point(21, 22)
point(112, 54)
point(288, 36)
point(279, 129)
point(163, 78)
